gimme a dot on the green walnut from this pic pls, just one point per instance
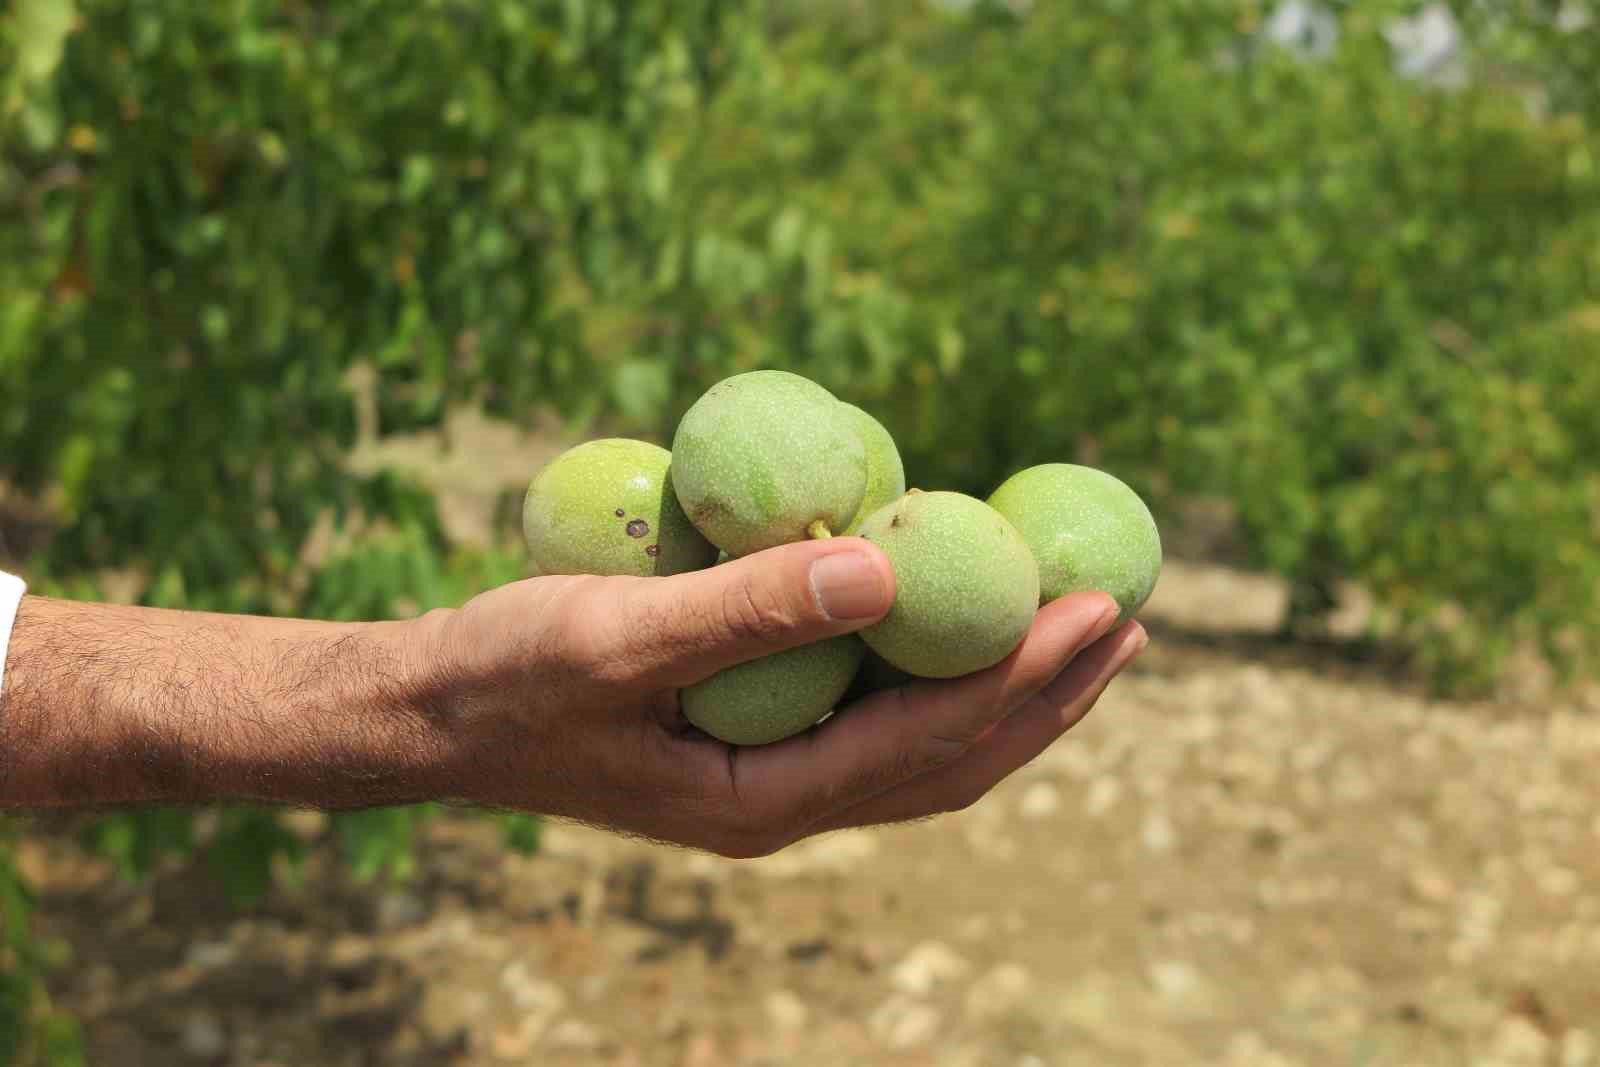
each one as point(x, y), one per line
point(608, 507)
point(767, 458)
point(966, 585)
point(768, 699)
point(1086, 529)
point(886, 473)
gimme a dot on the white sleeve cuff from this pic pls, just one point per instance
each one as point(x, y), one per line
point(11, 590)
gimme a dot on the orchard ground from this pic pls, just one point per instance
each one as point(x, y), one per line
point(1252, 853)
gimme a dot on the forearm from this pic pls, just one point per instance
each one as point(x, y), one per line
point(109, 705)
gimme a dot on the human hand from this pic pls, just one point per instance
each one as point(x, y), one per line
point(560, 695)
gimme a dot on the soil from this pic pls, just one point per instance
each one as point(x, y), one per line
point(1252, 853)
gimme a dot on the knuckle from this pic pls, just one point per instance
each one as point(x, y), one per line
point(753, 614)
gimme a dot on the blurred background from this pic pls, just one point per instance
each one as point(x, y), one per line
point(296, 296)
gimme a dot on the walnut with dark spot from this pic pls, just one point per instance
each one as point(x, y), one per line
point(638, 528)
point(652, 550)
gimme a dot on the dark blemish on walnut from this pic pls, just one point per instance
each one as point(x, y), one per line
point(619, 512)
point(652, 550)
point(638, 528)
point(896, 520)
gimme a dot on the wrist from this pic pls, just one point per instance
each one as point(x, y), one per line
point(429, 694)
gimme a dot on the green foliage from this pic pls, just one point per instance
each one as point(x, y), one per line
point(234, 204)
point(1363, 308)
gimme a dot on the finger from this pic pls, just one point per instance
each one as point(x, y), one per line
point(1013, 744)
point(672, 632)
point(898, 734)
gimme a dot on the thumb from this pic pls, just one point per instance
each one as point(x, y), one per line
point(682, 629)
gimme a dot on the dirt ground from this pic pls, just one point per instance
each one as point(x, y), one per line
point(1251, 853)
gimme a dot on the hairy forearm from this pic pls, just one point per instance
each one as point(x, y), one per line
point(109, 705)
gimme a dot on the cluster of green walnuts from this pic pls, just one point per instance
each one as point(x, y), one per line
point(767, 458)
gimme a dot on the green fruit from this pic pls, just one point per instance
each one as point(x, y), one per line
point(886, 474)
point(777, 696)
point(1087, 530)
point(767, 458)
point(967, 586)
point(608, 507)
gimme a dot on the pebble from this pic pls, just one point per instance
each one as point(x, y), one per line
point(513, 1042)
point(400, 907)
point(998, 991)
point(203, 1036)
point(1175, 979)
point(786, 1010)
point(1579, 1049)
point(211, 955)
point(1517, 1042)
point(1431, 885)
point(1103, 796)
point(577, 1036)
point(1039, 801)
point(926, 966)
point(1157, 833)
point(530, 993)
point(838, 853)
point(307, 825)
point(702, 1052)
point(903, 1023)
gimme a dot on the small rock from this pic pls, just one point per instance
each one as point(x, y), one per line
point(203, 1036)
point(786, 1010)
point(1431, 885)
point(926, 966)
point(997, 991)
point(529, 993)
point(1103, 796)
point(836, 853)
point(1174, 979)
point(1157, 832)
point(306, 825)
point(1579, 1049)
point(1517, 1041)
point(400, 907)
point(1559, 881)
point(210, 955)
point(975, 927)
point(702, 1052)
point(577, 1035)
point(705, 865)
point(1039, 801)
point(349, 952)
point(513, 1042)
point(903, 1023)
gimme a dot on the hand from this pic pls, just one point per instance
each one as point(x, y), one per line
point(559, 695)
